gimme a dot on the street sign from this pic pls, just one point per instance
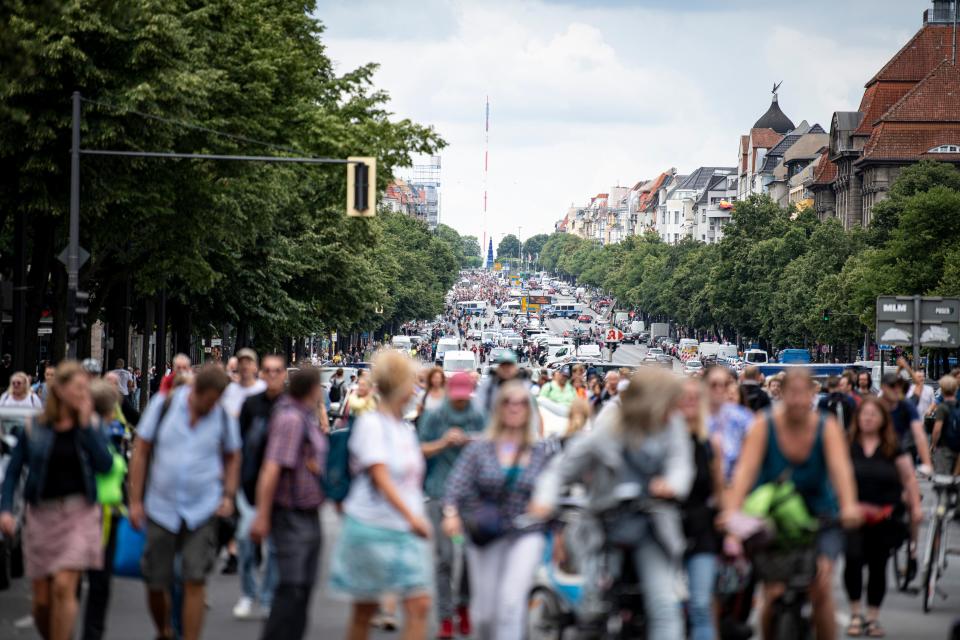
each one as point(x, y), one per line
point(614, 335)
point(885, 347)
point(940, 322)
point(927, 321)
point(895, 320)
point(82, 254)
point(523, 304)
point(535, 308)
point(497, 266)
point(44, 331)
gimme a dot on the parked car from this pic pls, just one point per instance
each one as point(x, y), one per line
point(585, 318)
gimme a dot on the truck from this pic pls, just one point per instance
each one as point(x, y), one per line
point(658, 329)
point(637, 326)
point(620, 318)
point(708, 350)
point(795, 356)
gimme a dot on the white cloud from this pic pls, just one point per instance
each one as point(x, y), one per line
point(585, 96)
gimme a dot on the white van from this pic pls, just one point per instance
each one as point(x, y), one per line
point(709, 349)
point(756, 356)
point(447, 344)
point(728, 351)
point(457, 361)
point(403, 343)
point(490, 337)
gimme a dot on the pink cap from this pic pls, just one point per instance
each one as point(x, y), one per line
point(460, 386)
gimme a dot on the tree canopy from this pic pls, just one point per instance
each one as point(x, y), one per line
point(264, 248)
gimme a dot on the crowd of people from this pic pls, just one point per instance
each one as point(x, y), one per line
point(436, 467)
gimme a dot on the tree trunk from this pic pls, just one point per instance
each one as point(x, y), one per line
point(145, 356)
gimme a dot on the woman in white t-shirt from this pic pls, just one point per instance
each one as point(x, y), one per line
point(383, 547)
point(19, 394)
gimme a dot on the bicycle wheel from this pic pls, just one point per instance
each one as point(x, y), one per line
point(544, 618)
point(931, 567)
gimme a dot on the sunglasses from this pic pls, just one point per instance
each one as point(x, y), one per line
point(515, 402)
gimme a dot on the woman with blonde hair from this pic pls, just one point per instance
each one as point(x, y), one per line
point(641, 441)
point(382, 547)
point(488, 489)
point(19, 394)
point(62, 453)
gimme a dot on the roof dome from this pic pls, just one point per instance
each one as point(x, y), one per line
point(775, 119)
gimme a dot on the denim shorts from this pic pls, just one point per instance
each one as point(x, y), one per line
point(830, 542)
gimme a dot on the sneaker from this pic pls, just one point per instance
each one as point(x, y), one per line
point(446, 629)
point(243, 609)
point(463, 613)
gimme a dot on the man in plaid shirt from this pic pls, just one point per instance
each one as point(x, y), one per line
point(288, 500)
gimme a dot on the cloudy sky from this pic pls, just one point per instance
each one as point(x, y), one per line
point(586, 94)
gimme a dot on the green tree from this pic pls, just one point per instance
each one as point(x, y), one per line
point(509, 247)
point(471, 246)
point(533, 245)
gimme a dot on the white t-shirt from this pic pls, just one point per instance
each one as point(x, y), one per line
point(926, 398)
point(125, 377)
point(235, 394)
point(30, 401)
point(381, 439)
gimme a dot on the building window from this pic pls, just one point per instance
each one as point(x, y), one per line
point(676, 217)
point(946, 148)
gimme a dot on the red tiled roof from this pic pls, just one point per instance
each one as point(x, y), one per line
point(764, 138)
point(826, 171)
point(936, 98)
point(925, 50)
point(877, 99)
point(911, 141)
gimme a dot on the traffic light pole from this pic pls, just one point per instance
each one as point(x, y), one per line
point(362, 200)
point(73, 248)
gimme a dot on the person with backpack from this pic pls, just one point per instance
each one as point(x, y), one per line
point(289, 496)
point(945, 438)
point(837, 403)
point(337, 386)
point(190, 446)
point(254, 429)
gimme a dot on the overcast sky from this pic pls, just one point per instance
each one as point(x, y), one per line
point(585, 95)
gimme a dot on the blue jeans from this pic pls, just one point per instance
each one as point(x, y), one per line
point(701, 576)
point(247, 559)
point(658, 573)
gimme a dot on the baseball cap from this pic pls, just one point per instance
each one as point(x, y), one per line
point(460, 386)
point(247, 352)
point(92, 366)
point(564, 370)
point(507, 356)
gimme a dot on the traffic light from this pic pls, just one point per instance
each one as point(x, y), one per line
point(78, 306)
point(825, 315)
point(361, 186)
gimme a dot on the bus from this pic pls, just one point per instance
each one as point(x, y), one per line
point(473, 307)
point(566, 310)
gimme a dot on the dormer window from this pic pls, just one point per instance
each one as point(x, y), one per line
point(946, 148)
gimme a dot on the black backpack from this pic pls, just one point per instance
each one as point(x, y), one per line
point(336, 391)
point(840, 406)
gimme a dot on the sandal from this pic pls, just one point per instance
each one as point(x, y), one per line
point(874, 630)
point(855, 628)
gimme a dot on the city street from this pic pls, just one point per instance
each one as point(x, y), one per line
point(128, 620)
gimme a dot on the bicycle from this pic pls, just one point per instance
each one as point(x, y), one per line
point(947, 488)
